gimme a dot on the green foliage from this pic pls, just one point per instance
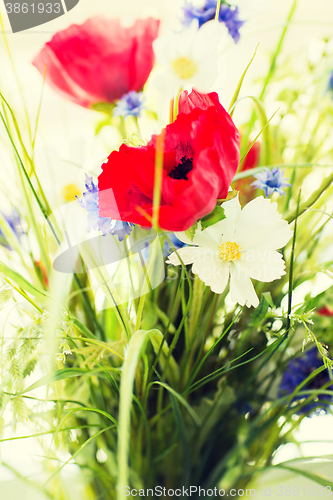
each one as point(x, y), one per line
point(212, 218)
point(215, 216)
point(190, 233)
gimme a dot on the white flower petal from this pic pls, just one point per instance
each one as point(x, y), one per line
point(204, 80)
point(220, 278)
point(208, 38)
point(186, 40)
point(259, 230)
point(241, 288)
point(264, 265)
point(204, 239)
point(227, 226)
point(182, 237)
point(209, 238)
point(214, 274)
point(213, 233)
point(198, 46)
point(260, 224)
point(164, 49)
point(165, 83)
point(189, 255)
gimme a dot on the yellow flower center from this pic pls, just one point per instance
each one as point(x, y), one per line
point(229, 251)
point(184, 67)
point(70, 191)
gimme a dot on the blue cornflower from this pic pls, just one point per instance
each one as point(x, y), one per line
point(228, 15)
point(89, 202)
point(271, 181)
point(176, 244)
point(130, 104)
point(122, 229)
point(13, 220)
point(297, 371)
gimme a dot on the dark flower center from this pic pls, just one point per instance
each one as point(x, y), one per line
point(182, 169)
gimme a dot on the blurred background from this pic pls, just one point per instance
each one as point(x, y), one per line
point(66, 149)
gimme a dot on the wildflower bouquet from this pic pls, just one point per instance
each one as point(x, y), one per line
point(170, 323)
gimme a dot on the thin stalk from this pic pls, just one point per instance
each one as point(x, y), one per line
point(156, 207)
point(24, 295)
point(291, 268)
point(25, 173)
point(217, 12)
point(272, 68)
point(278, 49)
point(158, 178)
point(195, 310)
point(311, 200)
point(15, 74)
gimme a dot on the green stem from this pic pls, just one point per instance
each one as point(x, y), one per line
point(311, 200)
point(27, 177)
point(218, 7)
point(16, 75)
point(158, 178)
point(278, 50)
point(195, 307)
point(24, 295)
point(271, 69)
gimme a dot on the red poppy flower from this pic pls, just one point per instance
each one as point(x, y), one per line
point(325, 311)
point(251, 161)
point(201, 156)
point(252, 157)
point(99, 61)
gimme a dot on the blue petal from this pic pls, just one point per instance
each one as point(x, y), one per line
point(271, 181)
point(89, 202)
point(297, 371)
point(130, 104)
point(227, 15)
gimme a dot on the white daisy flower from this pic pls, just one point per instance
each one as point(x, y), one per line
point(188, 59)
point(242, 246)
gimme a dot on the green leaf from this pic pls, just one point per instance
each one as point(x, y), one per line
point(82, 328)
point(215, 216)
point(265, 131)
point(167, 361)
point(318, 478)
point(103, 107)
point(253, 171)
point(186, 459)
point(260, 312)
point(135, 347)
point(269, 299)
point(101, 124)
point(191, 232)
point(182, 400)
point(77, 452)
point(239, 86)
point(303, 207)
point(63, 374)
point(22, 282)
point(230, 196)
point(212, 218)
